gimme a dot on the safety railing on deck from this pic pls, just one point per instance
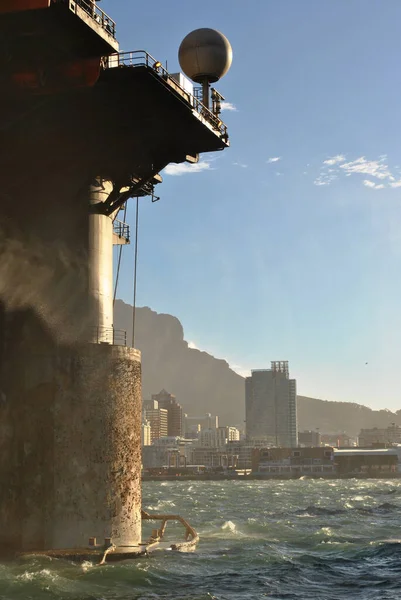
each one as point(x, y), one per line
point(97, 14)
point(198, 92)
point(121, 229)
point(141, 58)
point(109, 335)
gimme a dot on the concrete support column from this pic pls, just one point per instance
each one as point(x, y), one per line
point(70, 447)
point(101, 263)
point(97, 459)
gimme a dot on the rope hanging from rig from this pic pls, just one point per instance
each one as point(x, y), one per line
point(135, 271)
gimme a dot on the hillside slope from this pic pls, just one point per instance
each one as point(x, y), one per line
point(200, 382)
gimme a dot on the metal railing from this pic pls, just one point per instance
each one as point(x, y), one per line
point(109, 335)
point(141, 58)
point(97, 14)
point(198, 92)
point(121, 229)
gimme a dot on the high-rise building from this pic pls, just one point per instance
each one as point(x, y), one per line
point(232, 434)
point(146, 433)
point(271, 406)
point(149, 405)
point(174, 412)
point(157, 417)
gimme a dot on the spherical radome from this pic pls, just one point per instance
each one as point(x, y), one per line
point(205, 54)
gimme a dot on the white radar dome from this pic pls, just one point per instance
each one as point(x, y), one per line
point(205, 55)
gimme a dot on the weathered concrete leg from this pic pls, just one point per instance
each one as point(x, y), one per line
point(97, 416)
point(70, 448)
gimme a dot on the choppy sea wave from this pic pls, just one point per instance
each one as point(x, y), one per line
point(310, 539)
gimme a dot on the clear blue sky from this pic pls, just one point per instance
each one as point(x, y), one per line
point(298, 258)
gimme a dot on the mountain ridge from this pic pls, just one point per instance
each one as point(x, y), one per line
point(203, 383)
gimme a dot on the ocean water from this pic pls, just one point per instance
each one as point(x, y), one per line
point(301, 539)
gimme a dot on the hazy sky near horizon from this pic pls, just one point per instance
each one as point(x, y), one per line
point(286, 246)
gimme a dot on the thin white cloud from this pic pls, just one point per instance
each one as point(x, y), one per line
point(374, 168)
point(183, 168)
point(379, 169)
point(325, 178)
point(193, 346)
point(228, 106)
point(273, 159)
point(334, 160)
point(242, 165)
point(373, 185)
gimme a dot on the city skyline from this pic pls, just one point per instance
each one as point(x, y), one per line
point(271, 421)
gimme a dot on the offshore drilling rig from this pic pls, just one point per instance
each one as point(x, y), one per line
point(83, 128)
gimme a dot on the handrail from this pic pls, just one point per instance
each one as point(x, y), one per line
point(109, 335)
point(141, 58)
point(121, 229)
point(97, 14)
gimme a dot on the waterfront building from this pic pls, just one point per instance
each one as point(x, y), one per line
point(271, 406)
point(174, 412)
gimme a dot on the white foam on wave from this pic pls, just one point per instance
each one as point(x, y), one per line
point(334, 543)
point(229, 525)
point(161, 504)
point(326, 531)
point(42, 574)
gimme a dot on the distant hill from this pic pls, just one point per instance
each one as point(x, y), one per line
point(203, 383)
point(333, 417)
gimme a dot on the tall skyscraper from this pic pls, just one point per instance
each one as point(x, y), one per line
point(174, 412)
point(157, 417)
point(271, 406)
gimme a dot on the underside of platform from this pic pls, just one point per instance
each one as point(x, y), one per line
point(129, 124)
